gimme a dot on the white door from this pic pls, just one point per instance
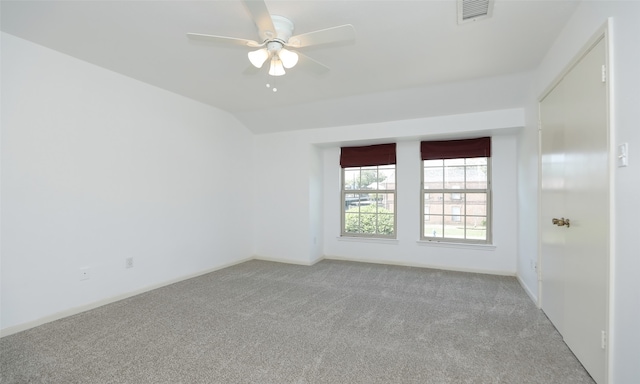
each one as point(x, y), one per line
point(552, 262)
point(575, 187)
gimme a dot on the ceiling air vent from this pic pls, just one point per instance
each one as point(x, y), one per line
point(473, 10)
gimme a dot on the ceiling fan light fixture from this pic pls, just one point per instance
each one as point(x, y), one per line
point(289, 59)
point(277, 69)
point(258, 57)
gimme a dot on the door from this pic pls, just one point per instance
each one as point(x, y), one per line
point(575, 190)
point(552, 264)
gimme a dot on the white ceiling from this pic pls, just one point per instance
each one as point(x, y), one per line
point(404, 54)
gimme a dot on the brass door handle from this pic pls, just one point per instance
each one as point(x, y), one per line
point(561, 222)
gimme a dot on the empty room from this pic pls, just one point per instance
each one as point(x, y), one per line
point(256, 191)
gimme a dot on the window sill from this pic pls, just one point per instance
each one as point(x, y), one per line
point(446, 244)
point(359, 239)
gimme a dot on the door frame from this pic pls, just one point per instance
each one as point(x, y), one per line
point(603, 33)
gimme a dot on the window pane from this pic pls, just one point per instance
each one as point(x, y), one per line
point(385, 224)
point(433, 177)
point(368, 177)
point(451, 209)
point(476, 222)
point(432, 163)
point(455, 195)
point(453, 221)
point(476, 204)
point(450, 162)
point(476, 228)
point(433, 228)
point(352, 221)
point(384, 201)
point(476, 161)
point(368, 221)
point(434, 207)
point(355, 200)
point(351, 178)
point(454, 177)
point(454, 231)
point(455, 214)
point(476, 177)
point(387, 177)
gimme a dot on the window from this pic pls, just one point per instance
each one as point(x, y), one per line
point(456, 190)
point(455, 196)
point(455, 214)
point(368, 191)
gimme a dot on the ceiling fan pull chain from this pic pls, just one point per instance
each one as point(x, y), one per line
point(270, 85)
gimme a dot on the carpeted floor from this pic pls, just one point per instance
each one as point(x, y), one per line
point(334, 322)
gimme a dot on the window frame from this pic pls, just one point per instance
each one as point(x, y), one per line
point(462, 192)
point(344, 192)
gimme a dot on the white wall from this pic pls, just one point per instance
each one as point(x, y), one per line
point(97, 167)
point(284, 170)
point(625, 303)
point(528, 204)
point(316, 204)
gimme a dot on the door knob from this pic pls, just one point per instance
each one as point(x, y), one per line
point(561, 222)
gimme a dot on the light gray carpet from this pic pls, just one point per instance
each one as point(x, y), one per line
point(334, 322)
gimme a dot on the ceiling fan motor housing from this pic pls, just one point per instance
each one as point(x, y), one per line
point(274, 46)
point(283, 27)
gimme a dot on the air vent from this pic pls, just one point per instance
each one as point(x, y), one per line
point(473, 10)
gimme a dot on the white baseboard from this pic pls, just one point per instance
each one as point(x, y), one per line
point(287, 261)
point(532, 296)
point(421, 265)
point(83, 308)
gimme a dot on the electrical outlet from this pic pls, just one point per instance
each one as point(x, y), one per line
point(533, 265)
point(84, 273)
point(128, 262)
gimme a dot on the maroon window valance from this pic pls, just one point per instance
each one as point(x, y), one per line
point(370, 155)
point(454, 149)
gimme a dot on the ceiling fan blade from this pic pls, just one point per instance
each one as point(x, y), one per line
point(324, 36)
point(224, 39)
point(262, 18)
point(312, 65)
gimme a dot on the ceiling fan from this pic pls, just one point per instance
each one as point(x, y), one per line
point(276, 40)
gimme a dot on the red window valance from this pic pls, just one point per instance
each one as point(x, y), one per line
point(454, 149)
point(370, 155)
